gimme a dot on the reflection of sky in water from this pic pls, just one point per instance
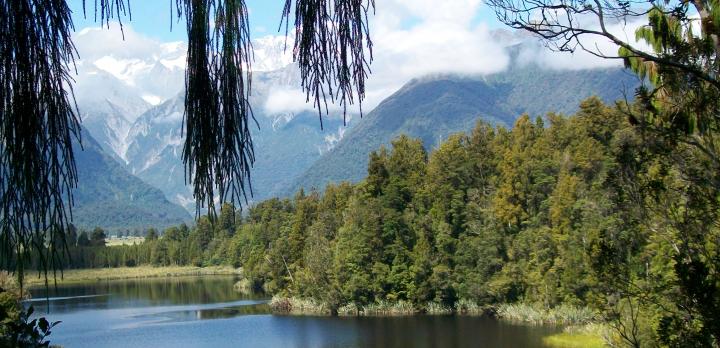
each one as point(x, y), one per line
point(207, 312)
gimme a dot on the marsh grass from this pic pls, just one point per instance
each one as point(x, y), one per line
point(387, 308)
point(101, 274)
point(298, 306)
point(575, 317)
point(567, 340)
point(467, 307)
point(591, 335)
point(350, 309)
point(9, 284)
point(560, 315)
point(434, 308)
point(243, 286)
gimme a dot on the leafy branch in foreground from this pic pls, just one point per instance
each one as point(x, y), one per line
point(569, 25)
point(218, 151)
point(678, 123)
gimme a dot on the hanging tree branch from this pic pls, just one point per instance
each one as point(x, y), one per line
point(38, 123)
point(218, 151)
point(330, 52)
point(38, 115)
point(562, 24)
point(331, 38)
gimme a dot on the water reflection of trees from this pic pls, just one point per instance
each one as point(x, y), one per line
point(230, 312)
point(143, 292)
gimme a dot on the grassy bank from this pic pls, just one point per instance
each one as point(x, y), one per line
point(298, 306)
point(567, 340)
point(580, 330)
point(519, 313)
point(101, 274)
point(580, 336)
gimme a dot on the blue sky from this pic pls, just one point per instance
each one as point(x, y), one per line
point(152, 18)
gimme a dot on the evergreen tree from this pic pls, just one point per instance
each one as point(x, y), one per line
point(97, 238)
point(71, 236)
point(226, 221)
point(204, 232)
point(151, 234)
point(83, 240)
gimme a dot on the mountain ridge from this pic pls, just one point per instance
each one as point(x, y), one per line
point(110, 197)
point(432, 108)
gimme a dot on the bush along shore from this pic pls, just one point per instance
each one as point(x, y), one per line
point(518, 313)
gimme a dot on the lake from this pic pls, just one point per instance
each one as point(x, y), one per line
point(207, 312)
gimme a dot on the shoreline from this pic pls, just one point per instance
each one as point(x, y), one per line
point(574, 320)
point(34, 279)
point(581, 328)
point(517, 313)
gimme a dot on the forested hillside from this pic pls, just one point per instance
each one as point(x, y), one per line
point(432, 108)
point(110, 197)
point(562, 212)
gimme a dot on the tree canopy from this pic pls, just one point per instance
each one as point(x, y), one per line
point(676, 52)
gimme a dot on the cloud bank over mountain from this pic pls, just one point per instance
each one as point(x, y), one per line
point(411, 39)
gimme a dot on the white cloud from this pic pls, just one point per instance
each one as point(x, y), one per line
point(439, 40)
point(412, 39)
point(95, 42)
point(152, 99)
point(136, 71)
point(282, 100)
point(443, 39)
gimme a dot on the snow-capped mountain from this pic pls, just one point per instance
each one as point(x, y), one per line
point(118, 80)
point(154, 149)
point(107, 116)
point(142, 67)
point(286, 143)
point(272, 53)
point(130, 96)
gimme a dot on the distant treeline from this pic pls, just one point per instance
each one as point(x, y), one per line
point(579, 210)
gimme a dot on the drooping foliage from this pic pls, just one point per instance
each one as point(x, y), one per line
point(330, 48)
point(39, 123)
point(218, 150)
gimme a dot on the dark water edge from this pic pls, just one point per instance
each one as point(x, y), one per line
point(207, 312)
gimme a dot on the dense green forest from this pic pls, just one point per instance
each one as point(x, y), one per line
point(589, 210)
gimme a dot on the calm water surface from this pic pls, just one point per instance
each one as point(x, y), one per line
point(206, 312)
